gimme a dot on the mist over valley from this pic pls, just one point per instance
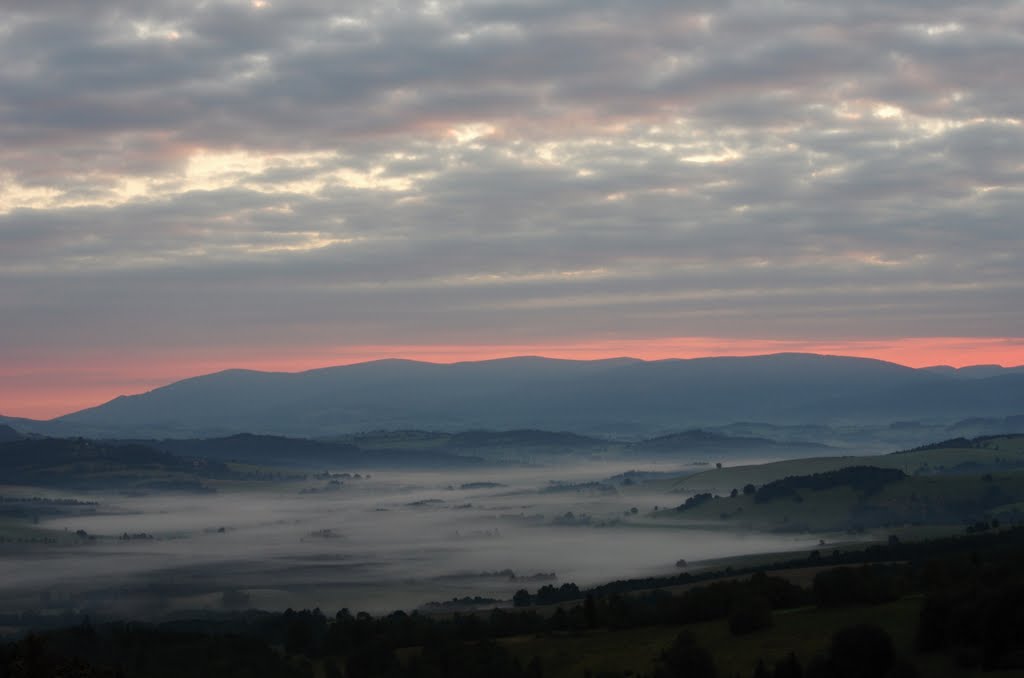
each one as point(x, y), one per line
point(388, 540)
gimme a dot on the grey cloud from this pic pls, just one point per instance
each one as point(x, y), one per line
point(818, 216)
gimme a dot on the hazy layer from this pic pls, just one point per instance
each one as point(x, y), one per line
point(396, 540)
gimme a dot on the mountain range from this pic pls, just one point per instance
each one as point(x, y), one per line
point(621, 396)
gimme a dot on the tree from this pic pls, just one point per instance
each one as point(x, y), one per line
point(686, 659)
point(590, 611)
point(861, 651)
point(788, 667)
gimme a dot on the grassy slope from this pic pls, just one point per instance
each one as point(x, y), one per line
point(805, 631)
point(721, 481)
point(917, 498)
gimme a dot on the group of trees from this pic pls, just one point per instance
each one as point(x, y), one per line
point(979, 619)
point(547, 595)
point(695, 501)
point(858, 651)
point(137, 651)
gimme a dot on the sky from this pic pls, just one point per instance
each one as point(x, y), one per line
point(191, 186)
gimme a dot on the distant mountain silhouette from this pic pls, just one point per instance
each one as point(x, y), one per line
point(612, 397)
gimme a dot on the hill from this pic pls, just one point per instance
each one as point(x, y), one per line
point(300, 452)
point(186, 465)
point(622, 397)
point(716, 442)
point(81, 464)
point(950, 483)
point(8, 434)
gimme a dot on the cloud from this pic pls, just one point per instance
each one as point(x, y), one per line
point(378, 172)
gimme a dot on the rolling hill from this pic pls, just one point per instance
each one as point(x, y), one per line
point(948, 483)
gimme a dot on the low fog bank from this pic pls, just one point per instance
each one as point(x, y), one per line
point(391, 541)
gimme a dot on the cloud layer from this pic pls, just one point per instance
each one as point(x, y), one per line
point(193, 176)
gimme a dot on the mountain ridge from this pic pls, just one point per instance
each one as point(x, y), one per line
point(617, 396)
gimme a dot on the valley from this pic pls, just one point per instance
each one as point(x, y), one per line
point(131, 529)
point(546, 550)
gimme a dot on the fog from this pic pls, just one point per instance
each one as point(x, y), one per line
point(390, 541)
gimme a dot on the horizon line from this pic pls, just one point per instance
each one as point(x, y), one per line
point(538, 356)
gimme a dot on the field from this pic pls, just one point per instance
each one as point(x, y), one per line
point(999, 452)
point(804, 631)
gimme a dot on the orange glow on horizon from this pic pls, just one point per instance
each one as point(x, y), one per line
point(57, 387)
